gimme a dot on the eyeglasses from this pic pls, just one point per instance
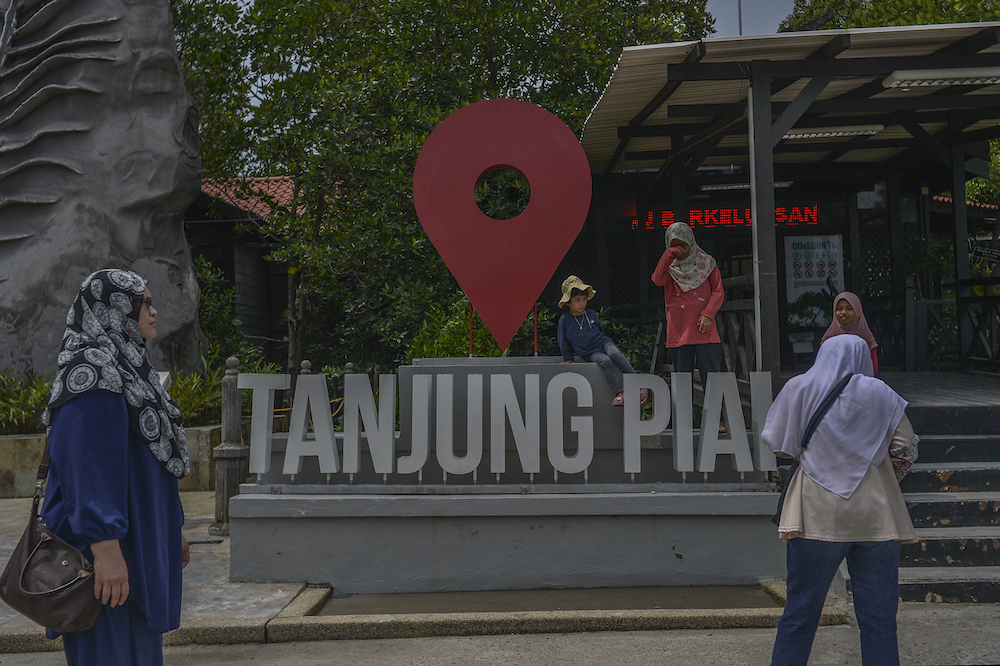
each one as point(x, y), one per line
point(148, 302)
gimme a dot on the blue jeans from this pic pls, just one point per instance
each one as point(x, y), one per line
point(609, 360)
point(874, 569)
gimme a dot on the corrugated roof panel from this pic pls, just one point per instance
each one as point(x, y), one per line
point(642, 72)
point(835, 88)
point(867, 156)
point(778, 46)
point(710, 92)
point(798, 158)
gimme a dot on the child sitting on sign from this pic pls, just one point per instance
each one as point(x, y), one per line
point(580, 331)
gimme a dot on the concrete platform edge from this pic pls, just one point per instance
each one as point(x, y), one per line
point(298, 622)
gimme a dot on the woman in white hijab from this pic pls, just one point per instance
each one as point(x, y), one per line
point(843, 500)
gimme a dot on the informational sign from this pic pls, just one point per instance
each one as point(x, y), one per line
point(726, 218)
point(814, 274)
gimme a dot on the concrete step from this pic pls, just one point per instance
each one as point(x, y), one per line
point(928, 420)
point(950, 584)
point(959, 448)
point(954, 509)
point(930, 477)
point(953, 547)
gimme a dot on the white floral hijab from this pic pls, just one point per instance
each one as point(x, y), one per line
point(689, 273)
point(103, 348)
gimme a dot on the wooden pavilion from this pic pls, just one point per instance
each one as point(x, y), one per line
point(757, 141)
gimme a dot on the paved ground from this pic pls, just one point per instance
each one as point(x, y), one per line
point(246, 614)
point(939, 636)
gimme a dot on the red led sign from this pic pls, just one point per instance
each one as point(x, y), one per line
point(714, 218)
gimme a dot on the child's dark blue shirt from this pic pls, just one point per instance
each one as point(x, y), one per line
point(582, 334)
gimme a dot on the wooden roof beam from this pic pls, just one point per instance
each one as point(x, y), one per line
point(828, 51)
point(798, 106)
point(711, 136)
point(860, 67)
point(980, 41)
point(858, 106)
point(694, 56)
point(983, 39)
point(929, 142)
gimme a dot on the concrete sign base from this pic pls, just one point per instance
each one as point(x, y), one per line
point(420, 543)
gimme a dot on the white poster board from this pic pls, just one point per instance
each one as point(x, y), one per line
point(811, 264)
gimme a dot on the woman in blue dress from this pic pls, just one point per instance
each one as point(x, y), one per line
point(117, 449)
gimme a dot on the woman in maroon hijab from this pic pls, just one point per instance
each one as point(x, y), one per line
point(849, 318)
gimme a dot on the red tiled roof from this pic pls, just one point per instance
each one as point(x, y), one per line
point(944, 198)
point(254, 196)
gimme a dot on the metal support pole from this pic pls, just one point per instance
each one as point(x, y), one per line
point(232, 455)
point(765, 255)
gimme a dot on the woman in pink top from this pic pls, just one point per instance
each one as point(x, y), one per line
point(692, 296)
point(849, 319)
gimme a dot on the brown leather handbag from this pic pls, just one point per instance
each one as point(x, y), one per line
point(46, 579)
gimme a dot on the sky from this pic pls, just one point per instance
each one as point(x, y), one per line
point(760, 17)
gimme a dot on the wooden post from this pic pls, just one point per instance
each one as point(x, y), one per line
point(910, 324)
point(765, 264)
point(962, 268)
point(348, 370)
point(599, 208)
point(232, 455)
point(535, 321)
point(896, 250)
point(857, 263)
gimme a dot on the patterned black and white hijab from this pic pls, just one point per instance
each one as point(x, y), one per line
point(103, 348)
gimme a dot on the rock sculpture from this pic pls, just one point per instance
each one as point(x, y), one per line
point(98, 161)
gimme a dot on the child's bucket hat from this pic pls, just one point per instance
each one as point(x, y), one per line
point(571, 283)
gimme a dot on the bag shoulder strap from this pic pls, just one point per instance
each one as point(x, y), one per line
point(43, 467)
point(823, 408)
point(43, 473)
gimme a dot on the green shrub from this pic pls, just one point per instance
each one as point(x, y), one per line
point(445, 334)
point(635, 341)
point(199, 395)
point(22, 401)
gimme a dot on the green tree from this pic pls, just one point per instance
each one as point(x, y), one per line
point(340, 95)
point(805, 11)
point(923, 12)
point(212, 58)
point(869, 14)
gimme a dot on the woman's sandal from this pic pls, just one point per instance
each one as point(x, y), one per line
point(619, 400)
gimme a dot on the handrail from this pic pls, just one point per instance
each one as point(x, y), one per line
point(738, 281)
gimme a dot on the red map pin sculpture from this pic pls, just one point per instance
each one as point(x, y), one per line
point(502, 265)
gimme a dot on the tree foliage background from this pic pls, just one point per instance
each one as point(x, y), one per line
point(340, 95)
point(884, 13)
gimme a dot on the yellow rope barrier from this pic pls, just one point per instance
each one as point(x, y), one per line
point(340, 400)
